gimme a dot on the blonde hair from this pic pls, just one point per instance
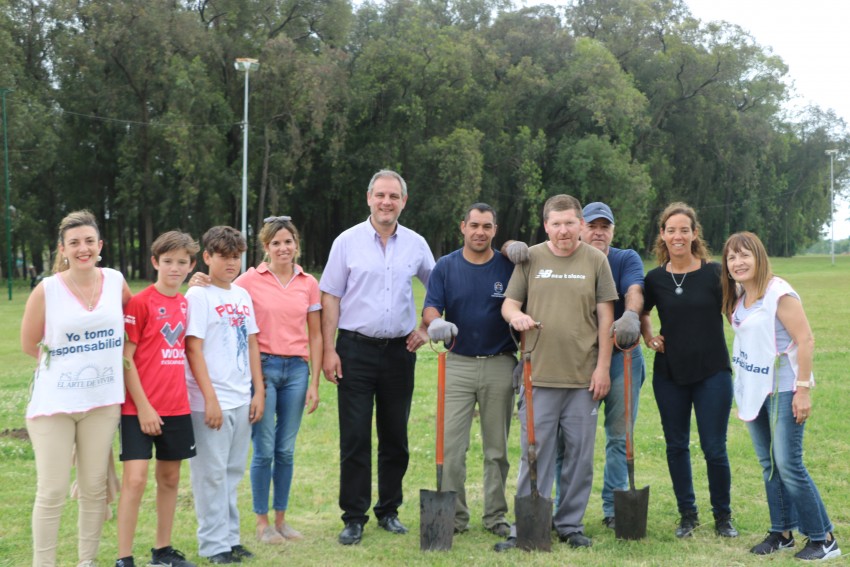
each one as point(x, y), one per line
point(271, 228)
point(698, 246)
point(732, 290)
point(75, 219)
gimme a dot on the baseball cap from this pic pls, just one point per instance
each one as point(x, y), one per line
point(597, 210)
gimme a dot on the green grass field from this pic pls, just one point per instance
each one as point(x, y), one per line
point(313, 504)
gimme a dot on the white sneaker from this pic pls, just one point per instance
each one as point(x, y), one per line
point(289, 532)
point(269, 536)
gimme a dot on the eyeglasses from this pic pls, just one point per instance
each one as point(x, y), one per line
point(282, 218)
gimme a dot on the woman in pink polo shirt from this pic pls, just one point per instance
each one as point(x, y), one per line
point(286, 301)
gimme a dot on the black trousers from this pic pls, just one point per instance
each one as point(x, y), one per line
point(380, 375)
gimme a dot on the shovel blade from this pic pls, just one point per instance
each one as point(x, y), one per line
point(533, 522)
point(630, 512)
point(436, 520)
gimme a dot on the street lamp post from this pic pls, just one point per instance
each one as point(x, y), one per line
point(247, 65)
point(831, 154)
point(3, 92)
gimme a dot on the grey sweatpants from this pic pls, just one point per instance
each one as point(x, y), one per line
point(576, 411)
point(216, 470)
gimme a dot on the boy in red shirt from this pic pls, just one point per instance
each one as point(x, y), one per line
point(156, 411)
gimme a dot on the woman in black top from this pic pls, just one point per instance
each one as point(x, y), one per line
point(691, 368)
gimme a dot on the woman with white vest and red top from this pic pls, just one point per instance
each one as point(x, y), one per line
point(74, 326)
point(772, 361)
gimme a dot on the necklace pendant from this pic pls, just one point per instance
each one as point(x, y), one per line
point(679, 291)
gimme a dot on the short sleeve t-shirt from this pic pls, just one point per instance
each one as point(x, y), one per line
point(691, 323)
point(627, 269)
point(156, 323)
point(223, 318)
point(562, 293)
point(471, 296)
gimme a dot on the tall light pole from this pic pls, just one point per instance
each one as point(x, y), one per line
point(247, 65)
point(3, 92)
point(831, 154)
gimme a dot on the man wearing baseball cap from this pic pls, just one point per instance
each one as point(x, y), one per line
point(627, 269)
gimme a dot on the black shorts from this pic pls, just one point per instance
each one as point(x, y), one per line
point(175, 443)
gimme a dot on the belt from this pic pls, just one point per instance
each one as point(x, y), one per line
point(511, 353)
point(359, 337)
point(507, 352)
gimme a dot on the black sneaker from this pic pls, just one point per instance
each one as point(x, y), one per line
point(687, 524)
point(506, 545)
point(575, 540)
point(819, 550)
point(168, 557)
point(723, 526)
point(224, 558)
point(125, 562)
point(610, 522)
point(501, 530)
point(241, 552)
point(774, 541)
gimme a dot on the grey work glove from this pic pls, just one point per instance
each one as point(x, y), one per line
point(517, 376)
point(626, 329)
point(517, 252)
point(440, 330)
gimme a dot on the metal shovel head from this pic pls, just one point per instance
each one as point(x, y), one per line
point(436, 519)
point(630, 511)
point(533, 522)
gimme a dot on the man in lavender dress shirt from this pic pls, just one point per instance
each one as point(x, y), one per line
point(367, 294)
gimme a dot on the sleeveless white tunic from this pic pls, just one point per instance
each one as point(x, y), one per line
point(81, 366)
point(755, 355)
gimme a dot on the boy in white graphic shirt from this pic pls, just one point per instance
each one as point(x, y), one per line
point(226, 393)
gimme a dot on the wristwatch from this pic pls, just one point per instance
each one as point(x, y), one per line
point(804, 384)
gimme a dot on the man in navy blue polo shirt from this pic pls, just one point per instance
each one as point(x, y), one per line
point(467, 286)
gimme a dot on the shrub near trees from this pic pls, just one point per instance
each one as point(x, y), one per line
point(133, 109)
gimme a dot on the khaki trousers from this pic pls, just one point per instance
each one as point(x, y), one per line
point(487, 383)
point(53, 438)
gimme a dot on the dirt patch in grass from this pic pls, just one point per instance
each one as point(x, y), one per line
point(17, 433)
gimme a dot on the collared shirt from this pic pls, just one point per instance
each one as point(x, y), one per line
point(374, 283)
point(281, 310)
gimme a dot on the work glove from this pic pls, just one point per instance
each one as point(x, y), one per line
point(516, 379)
point(440, 330)
point(626, 329)
point(517, 252)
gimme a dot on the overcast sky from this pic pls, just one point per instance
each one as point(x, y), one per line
point(813, 39)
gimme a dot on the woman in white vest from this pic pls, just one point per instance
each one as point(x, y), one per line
point(74, 326)
point(772, 360)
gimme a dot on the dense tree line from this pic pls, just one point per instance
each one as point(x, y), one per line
point(133, 110)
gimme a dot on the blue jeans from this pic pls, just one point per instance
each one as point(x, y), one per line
point(616, 476)
point(274, 435)
point(711, 400)
point(792, 497)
